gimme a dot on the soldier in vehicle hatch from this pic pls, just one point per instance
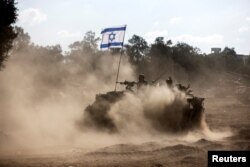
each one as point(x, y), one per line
point(185, 89)
point(141, 81)
point(169, 82)
point(129, 85)
point(182, 87)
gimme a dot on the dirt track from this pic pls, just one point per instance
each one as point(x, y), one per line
point(221, 115)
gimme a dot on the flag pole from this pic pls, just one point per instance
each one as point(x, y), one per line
point(118, 70)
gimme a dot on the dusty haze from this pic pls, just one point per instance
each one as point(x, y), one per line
point(41, 103)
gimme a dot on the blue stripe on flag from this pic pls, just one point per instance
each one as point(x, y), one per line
point(111, 44)
point(113, 29)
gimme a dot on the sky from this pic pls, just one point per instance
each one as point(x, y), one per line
point(200, 23)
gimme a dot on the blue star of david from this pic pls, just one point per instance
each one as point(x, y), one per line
point(112, 36)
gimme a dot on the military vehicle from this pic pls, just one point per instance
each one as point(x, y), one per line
point(189, 115)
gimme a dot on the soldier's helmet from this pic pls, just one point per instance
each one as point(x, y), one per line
point(141, 77)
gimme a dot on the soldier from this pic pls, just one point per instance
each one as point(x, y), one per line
point(182, 87)
point(141, 81)
point(129, 85)
point(169, 82)
point(185, 89)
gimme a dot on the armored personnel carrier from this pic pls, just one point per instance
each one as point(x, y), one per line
point(178, 116)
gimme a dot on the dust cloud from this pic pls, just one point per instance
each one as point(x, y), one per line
point(41, 103)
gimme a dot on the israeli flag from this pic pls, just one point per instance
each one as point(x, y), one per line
point(113, 37)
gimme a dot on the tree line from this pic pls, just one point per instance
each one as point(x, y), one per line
point(8, 16)
point(179, 60)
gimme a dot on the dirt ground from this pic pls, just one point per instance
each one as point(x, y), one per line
point(222, 114)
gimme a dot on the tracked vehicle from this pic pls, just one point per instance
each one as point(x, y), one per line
point(175, 117)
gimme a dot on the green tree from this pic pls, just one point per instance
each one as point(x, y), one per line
point(161, 49)
point(22, 39)
point(229, 51)
point(232, 61)
point(8, 16)
point(88, 44)
point(188, 57)
point(137, 48)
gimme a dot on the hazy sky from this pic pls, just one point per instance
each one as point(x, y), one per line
point(201, 23)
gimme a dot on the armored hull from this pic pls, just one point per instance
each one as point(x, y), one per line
point(176, 116)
